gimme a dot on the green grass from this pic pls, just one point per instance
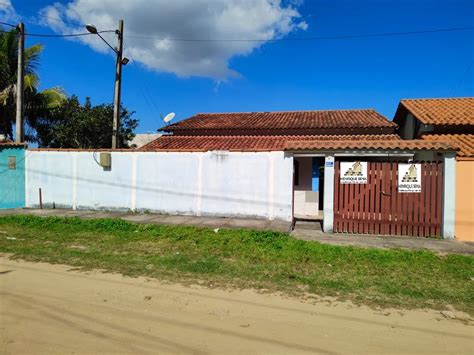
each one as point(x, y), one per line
point(247, 259)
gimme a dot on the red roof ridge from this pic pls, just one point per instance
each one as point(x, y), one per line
point(285, 111)
point(464, 141)
point(452, 111)
point(433, 135)
point(13, 144)
point(437, 98)
point(286, 120)
point(250, 143)
point(315, 136)
point(414, 144)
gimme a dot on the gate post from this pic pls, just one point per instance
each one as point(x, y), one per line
point(328, 211)
point(449, 195)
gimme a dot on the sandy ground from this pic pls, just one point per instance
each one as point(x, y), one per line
point(53, 309)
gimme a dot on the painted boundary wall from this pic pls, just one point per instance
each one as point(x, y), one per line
point(12, 181)
point(232, 184)
point(464, 200)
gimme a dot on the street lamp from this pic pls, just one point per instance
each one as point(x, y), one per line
point(92, 29)
point(118, 76)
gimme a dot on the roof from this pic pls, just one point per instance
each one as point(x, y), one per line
point(92, 150)
point(290, 120)
point(143, 138)
point(174, 143)
point(465, 142)
point(450, 111)
point(12, 144)
point(409, 145)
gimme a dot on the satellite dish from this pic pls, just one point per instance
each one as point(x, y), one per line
point(169, 117)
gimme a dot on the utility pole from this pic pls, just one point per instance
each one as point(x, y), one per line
point(118, 88)
point(20, 83)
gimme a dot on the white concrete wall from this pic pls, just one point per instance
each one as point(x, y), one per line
point(449, 195)
point(328, 213)
point(257, 185)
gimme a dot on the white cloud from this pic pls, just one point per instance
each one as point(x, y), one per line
point(7, 12)
point(164, 21)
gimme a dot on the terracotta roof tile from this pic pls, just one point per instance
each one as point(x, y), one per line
point(243, 143)
point(12, 144)
point(449, 111)
point(336, 119)
point(78, 150)
point(465, 142)
point(368, 145)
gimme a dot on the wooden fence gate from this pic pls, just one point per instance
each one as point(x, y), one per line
point(378, 208)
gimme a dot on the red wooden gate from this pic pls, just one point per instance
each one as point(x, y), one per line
point(378, 208)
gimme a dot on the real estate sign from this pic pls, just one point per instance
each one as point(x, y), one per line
point(409, 177)
point(354, 172)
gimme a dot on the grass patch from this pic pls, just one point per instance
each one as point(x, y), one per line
point(244, 258)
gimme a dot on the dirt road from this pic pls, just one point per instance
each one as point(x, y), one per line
point(52, 309)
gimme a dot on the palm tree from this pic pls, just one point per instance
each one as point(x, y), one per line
point(36, 102)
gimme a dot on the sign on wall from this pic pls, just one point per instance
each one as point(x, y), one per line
point(354, 172)
point(409, 177)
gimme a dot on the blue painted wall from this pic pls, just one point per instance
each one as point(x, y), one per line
point(12, 182)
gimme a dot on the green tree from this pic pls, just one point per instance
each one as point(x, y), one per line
point(36, 103)
point(72, 125)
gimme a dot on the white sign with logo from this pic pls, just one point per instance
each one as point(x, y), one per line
point(409, 177)
point(354, 172)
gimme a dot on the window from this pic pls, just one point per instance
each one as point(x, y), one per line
point(11, 163)
point(296, 169)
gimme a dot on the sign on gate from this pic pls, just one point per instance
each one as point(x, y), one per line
point(409, 177)
point(354, 172)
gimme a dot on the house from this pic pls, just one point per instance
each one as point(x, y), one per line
point(448, 120)
point(12, 175)
point(269, 131)
point(317, 143)
point(140, 139)
point(270, 165)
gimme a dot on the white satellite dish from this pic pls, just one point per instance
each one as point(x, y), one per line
point(169, 117)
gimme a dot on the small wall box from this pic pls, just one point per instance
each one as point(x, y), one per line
point(12, 163)
point(105, 160)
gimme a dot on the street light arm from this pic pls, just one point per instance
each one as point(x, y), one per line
point(107, 43)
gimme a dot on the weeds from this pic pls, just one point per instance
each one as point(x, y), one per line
point(244, 258)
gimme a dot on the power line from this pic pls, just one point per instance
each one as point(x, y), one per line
point(147, 96)
point(286, 39)
point(57, 35)
point(385, 34)
point(54, 19)
point(60, 20)
point(41, 15)
point(8, 24)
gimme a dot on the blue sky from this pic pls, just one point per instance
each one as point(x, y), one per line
point(288, 75)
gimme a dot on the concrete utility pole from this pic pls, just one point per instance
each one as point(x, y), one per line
point(118, 87)
point(20, 83)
